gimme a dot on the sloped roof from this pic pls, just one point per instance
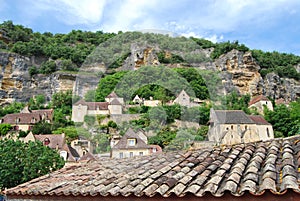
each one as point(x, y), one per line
point(259, 120)
point(257, 99)
point(115, 102)
point(112, 95)
point(56, 140)
point(255, 168)
point(131, 134)
point(233, 117)
point(93, 105)
point(26, 118)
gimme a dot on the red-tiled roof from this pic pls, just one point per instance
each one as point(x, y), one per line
point(112, 95)
point(259, 120)
point(254, 168)
point(56, 140)
point(27, 118)
point(257, 99)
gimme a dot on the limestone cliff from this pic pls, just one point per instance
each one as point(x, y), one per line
point(17, 85)
point(240, 72)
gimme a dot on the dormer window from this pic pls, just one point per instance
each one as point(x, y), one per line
point(46, 141)
point(33, 120)
point(131, 142)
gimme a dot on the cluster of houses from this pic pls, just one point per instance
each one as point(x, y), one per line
point(225, 127)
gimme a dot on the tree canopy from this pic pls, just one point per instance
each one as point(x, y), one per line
point(21, 162)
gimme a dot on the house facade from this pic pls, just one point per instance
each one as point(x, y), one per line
point(259, 102)
point(132, 144)
point(184, 99)
point(56, 142)
point(234, 126)
point(112, 106)
point(27, 118)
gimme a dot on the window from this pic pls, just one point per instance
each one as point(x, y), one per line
point(231, 127)
point(131, 142)
point(141, 153)
point(46, 141)
point(121, 155)
point(245, 127)
point(268, 133)
point(130, 154)
point(154, 150)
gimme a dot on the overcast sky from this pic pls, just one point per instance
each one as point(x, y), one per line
point(269, 25)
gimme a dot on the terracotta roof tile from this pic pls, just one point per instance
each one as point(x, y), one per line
point(254, 167)
point(257, 99)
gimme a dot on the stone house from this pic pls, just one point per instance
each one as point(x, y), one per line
point(112, 106)
point(259, 102)
point(132, 144)
point(56, 142)
point(184, 99)
point(137, 100)
point(234, 126)
point(82, 146)
point(260, 171)
point(27, 118)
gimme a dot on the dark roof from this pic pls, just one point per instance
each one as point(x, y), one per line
point(233, 117)
point(131, 134)
point(254, 168)
point(93, 105)
point(115, 102)
point(26, 118)
point(259, 120)
point(112, 95)
point(257, 99)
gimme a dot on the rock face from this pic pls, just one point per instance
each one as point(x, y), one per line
point(17, 85)
point(239, 72)
point(141, 55)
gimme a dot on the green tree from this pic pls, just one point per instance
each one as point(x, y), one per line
point(107, 85)
point(4, 128)
point(163, 137)
point(21, 162)
point(42, 127)
point(71, 132)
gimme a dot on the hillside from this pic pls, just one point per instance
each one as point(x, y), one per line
point(35, 63)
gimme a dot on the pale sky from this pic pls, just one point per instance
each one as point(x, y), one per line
point(269, 25)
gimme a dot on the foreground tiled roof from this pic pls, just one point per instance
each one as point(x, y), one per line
point(254, 168)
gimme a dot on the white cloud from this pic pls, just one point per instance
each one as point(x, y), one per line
point(72, 12)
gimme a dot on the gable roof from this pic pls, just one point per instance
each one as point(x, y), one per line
point(131, 134)
point(232, 117)
point(112, 95)
point(259, 120)
point(254, 168)
point(257, 99)
point(115, 102)
point(56, 140)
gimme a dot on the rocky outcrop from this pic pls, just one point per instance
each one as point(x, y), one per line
point(141, 55)
point(240, 72)
point(17, 85)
